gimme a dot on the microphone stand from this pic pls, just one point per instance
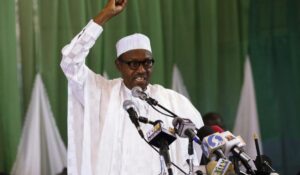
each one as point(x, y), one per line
point(235, 165)
point(162, 138)
point(164, 152)
point(247, 166)
point(262, 165)
point(191, 152)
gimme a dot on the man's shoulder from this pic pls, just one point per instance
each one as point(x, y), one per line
point(103, 81)
point(158, 87)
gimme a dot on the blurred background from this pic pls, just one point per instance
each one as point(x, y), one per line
point(208, 40)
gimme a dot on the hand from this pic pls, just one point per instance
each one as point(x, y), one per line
point(112, 8)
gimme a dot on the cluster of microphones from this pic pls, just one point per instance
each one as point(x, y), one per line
point(223, 151)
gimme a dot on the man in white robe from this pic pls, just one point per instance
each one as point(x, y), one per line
point(101, 137)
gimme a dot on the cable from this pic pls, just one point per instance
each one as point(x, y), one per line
point(161, 112)
point(171, 161)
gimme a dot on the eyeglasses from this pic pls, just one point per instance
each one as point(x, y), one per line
point(134, 65)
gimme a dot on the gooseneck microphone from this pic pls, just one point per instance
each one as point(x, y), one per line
point(129, 106)
point(139, 93)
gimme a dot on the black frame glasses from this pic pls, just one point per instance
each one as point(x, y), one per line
point(134, 65)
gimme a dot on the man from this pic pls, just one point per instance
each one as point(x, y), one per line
point(101, 137)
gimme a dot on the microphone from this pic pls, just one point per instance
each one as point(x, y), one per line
point(147, 121)
point(213, 145)
point(129, 106)
point(218, 143)
point(259, 158)
point(185, 128)
point(204, 131)
point(262, 162)
point(139, 93)
point(234, 144)
point(158, 134)
point(162, 138)
point(220, 167)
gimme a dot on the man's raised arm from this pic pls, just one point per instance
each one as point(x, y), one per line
point(74, 54)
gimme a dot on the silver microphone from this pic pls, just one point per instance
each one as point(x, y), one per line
point(139, 93)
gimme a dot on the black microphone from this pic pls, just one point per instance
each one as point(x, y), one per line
point(262, 162)
point(129, 106)
point(147, 121)
point(162, 138)
point(204, 131)
point(185, 128)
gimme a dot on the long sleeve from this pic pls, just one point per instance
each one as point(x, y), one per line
point(74, 54)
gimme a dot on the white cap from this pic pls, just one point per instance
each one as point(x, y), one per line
point(131, 42)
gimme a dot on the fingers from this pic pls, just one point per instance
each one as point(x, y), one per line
point(118, 2)
point(120, 5)
point(115, 6)
point(112, 8)
point(121, 2)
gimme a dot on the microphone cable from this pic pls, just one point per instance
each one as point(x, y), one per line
point(172, 116)
point(159, 154)
point(139, 93)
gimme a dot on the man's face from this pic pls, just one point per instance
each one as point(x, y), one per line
point(135, 67)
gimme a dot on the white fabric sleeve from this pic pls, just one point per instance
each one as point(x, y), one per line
point(74, 54)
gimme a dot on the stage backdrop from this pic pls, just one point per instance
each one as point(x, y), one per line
point(207, 39)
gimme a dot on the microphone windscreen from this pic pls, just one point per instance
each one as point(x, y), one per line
point(204, 131)
point(217, 128)
point(128, 104)
point(136, 91)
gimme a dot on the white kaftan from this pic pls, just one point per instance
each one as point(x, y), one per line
point(101, 137)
